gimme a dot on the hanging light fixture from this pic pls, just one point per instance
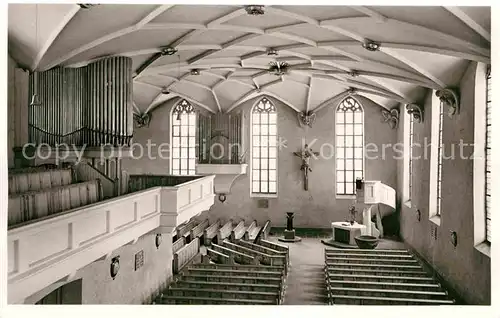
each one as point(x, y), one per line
point(35, 99)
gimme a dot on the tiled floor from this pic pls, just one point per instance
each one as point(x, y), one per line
point(306, 279)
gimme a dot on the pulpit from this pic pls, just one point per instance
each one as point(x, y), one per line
point(368, 195)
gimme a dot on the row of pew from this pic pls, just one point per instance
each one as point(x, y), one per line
point(236, 265)
point(380, 277)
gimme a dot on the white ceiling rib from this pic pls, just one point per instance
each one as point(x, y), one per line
point(325, 53)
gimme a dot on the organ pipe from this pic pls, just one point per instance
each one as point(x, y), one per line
point(89, 106)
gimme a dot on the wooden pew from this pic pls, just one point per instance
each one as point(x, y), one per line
point(210, 232)
point(224, 294)
point(263, 273)
point(239, 257)
point(177, 245)
point(185, 255)
point(275, 246)
point(37, 204)
point(184, 230)
point(219, 257)
point(264, 249)
point(239, 267)
point(39, 180)
point(263, 232)
point(238, 232)
point(197, 231)
point(224, 231)
point(266, 259)
point(251, 231)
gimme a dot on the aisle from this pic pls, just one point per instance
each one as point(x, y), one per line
point(306, 279)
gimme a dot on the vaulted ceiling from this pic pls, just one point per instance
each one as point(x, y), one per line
point(222, 53)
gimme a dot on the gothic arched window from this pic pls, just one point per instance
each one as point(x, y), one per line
point(264, 149)
point(183, 159)
point(349, 130)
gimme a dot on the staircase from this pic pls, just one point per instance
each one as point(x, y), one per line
point(234, 270)
point(380, 277)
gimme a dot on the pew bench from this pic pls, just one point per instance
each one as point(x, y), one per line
point(252, 231)
point(224, 231)
point(223, 272)
point(197, 231)
point(218, 257)
point(181, 300)
point(239, 257)
point(39, 180)
point(38, 204)
point(263, 249)
point(238, 232)
point(266, 259)
point(223, 294)
point(210, 233)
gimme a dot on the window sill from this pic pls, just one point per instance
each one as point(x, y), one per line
point(345, 197)
point(484, 248)
point(264, 195)
point(436, 219)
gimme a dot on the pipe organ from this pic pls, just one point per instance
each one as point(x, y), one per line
point(90, 105)
point(219, 138)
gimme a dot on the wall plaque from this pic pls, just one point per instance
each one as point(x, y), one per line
point(139, 259)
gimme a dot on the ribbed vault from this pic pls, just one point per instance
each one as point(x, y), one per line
point(219, 56)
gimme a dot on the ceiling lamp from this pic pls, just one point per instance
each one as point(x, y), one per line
point(272, 52)
point(278, 68)
point(35, 99)
point(168, 51)
point(255, 9)
point(195, 72)
point(353, 73)
point(87, 5)
point(371, 45)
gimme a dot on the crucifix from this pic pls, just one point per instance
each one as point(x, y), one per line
point(305, 155)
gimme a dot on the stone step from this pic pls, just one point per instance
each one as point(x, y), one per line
point(371, 261)
point(216, 271)
point(221, 293)
point(396, 293)
point(266, 268)
point(375, 271)
point(370, 266)
point(380, 278)
point(181, 300)
point(371, 256)
point(366, 300)
point(227, 286)
point(232, 279)
point(383, 285)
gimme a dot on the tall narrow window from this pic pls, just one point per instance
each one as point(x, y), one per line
point(439, 159)
point(410, 158)
point(488, 154)
point(264, 150)
point(349, 145)
point(183, 139)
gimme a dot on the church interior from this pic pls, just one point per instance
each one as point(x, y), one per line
point(170, 154)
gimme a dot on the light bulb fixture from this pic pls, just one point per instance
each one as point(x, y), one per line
point(353, 73)
point(35, 100)
point(168, 51)
point(371, 45)
point(272, 52)
point(195, 71)
point(255, 9)
point(278, 68)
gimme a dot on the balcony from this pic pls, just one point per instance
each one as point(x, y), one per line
point(45, 250)
point(225, 175)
